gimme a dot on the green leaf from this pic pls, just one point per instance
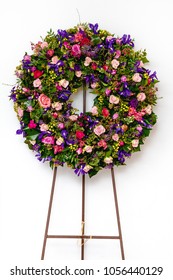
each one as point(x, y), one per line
point(95, 40)
point(32, 134)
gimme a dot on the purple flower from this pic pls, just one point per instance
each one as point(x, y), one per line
point(19, 131)
point(64, 95)
point(133, 103)
point(80, 171)
point(64, 133)
point(62, 33)
point(126, 40)
point(94, 27)
point(153, 76)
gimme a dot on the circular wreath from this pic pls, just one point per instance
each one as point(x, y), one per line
point(121, 116)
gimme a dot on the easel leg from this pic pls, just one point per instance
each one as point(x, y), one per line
point(49, 213)
point(117, 213)
point(83, 217)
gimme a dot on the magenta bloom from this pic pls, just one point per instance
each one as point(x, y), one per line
point(76, 51)
point(32, 124)
point(48, 140)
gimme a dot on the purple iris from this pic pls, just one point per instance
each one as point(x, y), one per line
point(153, 76)
point(56, 66)
point(80, 171)
point(133, 103)
point(70, 141)
point(121, 156)
point(94, 27)
point(126, 40)
point(63, 33)
point(125, 92)
point(64, 95)
point(19, 131)
point(64, 133)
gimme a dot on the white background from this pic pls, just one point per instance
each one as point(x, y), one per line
point(144, 185)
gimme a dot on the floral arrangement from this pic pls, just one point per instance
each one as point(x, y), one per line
point(122, 113)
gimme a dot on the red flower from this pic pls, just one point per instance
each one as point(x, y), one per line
point(50, 53)
point(105, 67)
point(94, 66)
point(85, 41)
point(105, 112)
point(79, 134)
point(37, 74)
point(58, 149)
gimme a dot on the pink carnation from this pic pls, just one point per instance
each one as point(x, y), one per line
point(48, 140)
point(76, 51)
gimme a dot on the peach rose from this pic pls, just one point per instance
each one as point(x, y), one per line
point(87, 168)
point(57, 106)
point(136, 78)
point(78, 74)
point(44, 127)
point(44, 101)
point(54, 59)
point(141, 96)
point(73, 117)
point(87, 61)
point(94, 110)
point(135, 143)
point(37, 83)
point(148, 109)
point(113, 99)
point(99, 129)
point(64, 83)
point(115, 137)
point(115, 63)
point(108, 160)
point(88, 149)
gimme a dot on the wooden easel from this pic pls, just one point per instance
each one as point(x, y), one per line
point(83, 237)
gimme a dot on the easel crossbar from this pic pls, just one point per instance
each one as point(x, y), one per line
point(85, 236)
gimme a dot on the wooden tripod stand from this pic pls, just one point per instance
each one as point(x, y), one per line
point(83, 237)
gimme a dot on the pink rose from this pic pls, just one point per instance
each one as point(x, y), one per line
point(115, 137)
point(58, 149)
point(139, 128)
point(64, 83)
point(44, 45)
point(79, 151)
point(29, 108)
point(79, 134)
point(44, 101)
point(148, 109)
point(136, 78)
point(115, 63)
point(113, 99)
point(94, 110)
point(50, 53)
point(123, 79)
point(115, 116)
point(87, 61)
point(118, 53)
point(59, 141)
point(108, 160)
point(141, 96)
point(135, 143)
point(44, 127)
point(37, 83)
point(48, 140)
point(102, 143)
point(61, 125)
point(54, 60)
point(78, 74)
point(73, 117)
point(88, 149)
point(27, 57)
point(107, 91)
point(94, 85)
point(87, 168)
point(57, 106)
point(20, 112)
point(76, 51)
point(109, 38)
point(99, 129)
